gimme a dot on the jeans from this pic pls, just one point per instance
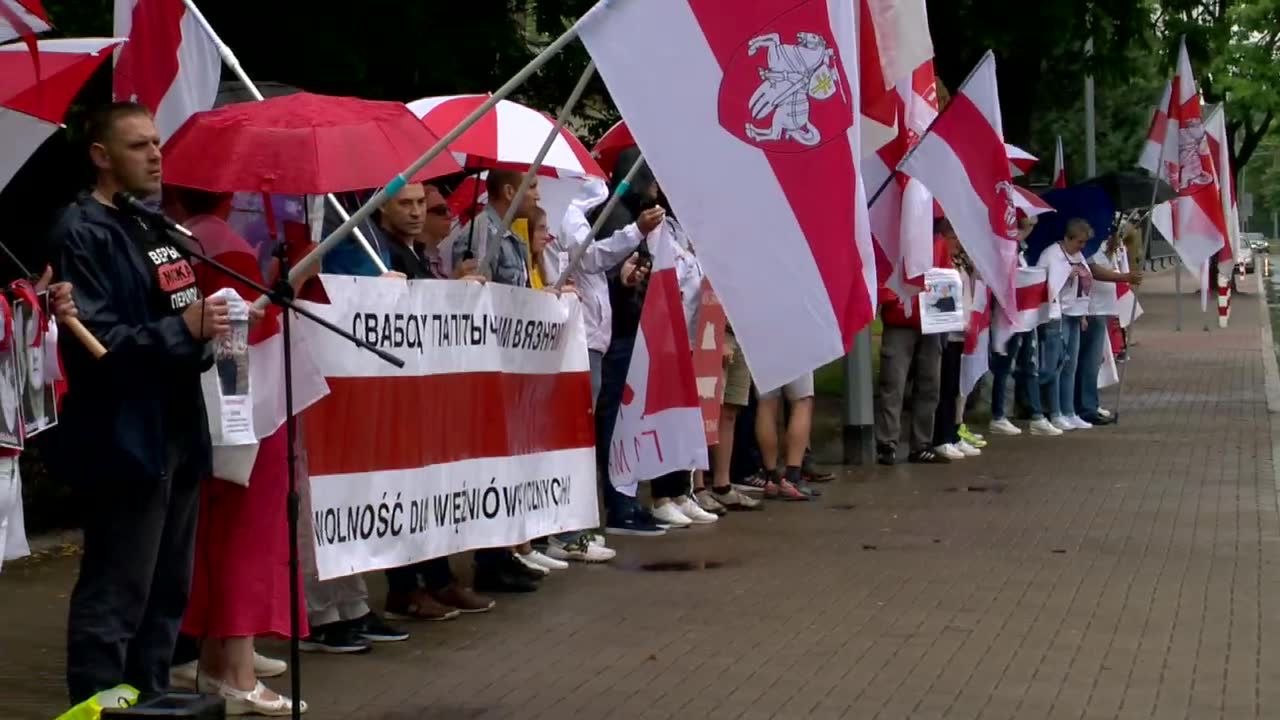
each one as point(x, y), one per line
point(1093, 341)
point(1059, 355)
point(613, 378)
point(127, 605)
point(1020, 353)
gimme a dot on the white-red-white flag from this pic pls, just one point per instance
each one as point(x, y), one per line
point(1031, 309)
point(902, 218)
point(170, 63)
point(1128, 309)
point(659, 428)
point(1020, 161)
point(976, 360)
point(1220, 151)
point(767, 93)
point(1153, 149)
point(1059, 167)
point(964, 163)
point(895, 43)
point(1194, 222)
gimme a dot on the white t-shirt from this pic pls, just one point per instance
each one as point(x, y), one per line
point(1073, 299)
point(1103, 300)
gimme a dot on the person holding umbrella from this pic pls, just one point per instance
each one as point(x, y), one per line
point(135, 427)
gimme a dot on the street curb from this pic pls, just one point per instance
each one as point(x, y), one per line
point(1270, 366)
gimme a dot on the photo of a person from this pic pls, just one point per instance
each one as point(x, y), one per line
point(10, 417)
point(944, 300)
point(39, 404)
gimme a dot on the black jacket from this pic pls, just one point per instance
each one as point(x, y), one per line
point(139, 410)
point(627, 302)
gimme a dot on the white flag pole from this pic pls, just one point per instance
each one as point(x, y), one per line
point(229, 59)
point(394, 184)
point(509, 217)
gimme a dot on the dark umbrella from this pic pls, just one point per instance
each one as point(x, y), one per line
point(1089, 202)
point(1132, 190)
point(234, 91)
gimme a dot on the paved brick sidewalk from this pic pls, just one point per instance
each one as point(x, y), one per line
point(1126, 572)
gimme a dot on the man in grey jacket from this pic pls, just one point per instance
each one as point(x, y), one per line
point(480, 250)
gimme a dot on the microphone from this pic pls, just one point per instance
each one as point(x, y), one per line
point(134, 206)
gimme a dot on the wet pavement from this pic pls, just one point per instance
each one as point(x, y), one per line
point(1124, 572)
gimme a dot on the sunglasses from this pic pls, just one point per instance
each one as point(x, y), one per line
point(439, 210)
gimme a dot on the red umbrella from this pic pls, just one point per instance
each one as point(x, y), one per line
point(22, 18)
point(32, 107)
point(300, 144)
point(612, 143)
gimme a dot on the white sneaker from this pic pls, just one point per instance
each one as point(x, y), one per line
point(689, 508)
point(668, 514)
point(951, 452)
point(549, 563)
point(524, 560)
point(967, 450)
point(1063, 424)
point(1044, 428)
point(581, 550)
point(1004, 427)
point(1079, 423)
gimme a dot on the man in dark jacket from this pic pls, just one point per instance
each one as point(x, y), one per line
point(135, 424)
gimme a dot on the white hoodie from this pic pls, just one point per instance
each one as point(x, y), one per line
point(599, 258)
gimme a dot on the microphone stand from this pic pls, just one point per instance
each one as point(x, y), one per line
point(282, 295)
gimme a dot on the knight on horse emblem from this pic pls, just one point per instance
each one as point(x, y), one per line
point(794, 74)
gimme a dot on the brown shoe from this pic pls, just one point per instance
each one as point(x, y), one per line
point(464, 599)
point(418, 605)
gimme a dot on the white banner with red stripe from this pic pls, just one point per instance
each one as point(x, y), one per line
point(485, 438)
point(1031, 293)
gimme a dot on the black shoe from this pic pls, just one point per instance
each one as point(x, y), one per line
point(337, 638)
point(887, 455)
point(928, 457)
point(375, 629)
point(1099, 420)
point(502, 578)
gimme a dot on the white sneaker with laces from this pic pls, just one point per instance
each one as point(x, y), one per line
point(1063, 424)
point(581, 550)
point(949, 451)
point(1079, 423)
point(1044, 428)
point(524, 560)
point(1004, 427)
point(696, 515)
point(668, 514)
point(549, 563)
point(966, 449)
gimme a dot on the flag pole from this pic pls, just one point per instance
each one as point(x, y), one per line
point(576, 258)
point(231, 61)
point(1133, 311)
point(491, 249)
point(394, 185)
point(893, 175)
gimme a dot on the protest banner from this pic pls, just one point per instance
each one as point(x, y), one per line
point(484, 439)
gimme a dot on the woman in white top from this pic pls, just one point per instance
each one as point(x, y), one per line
point(1108, 268)
point(1070, 282)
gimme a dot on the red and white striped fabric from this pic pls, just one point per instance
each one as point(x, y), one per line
point(1128, 309)
point(1154, 147)
point(659, 428)
point(765, 93)
point(976, 360)
point(508, 136)
point(485, 437)
point(902, 218)
point(1194, 222)
point(1220, 151)
point(895, 43)
point(266, 351)
point(1108, 372)
point(1032, 295)
point(963, 161)
point(1020, 161)
point(170, 63)
point(1059, 167)
point(22, 19)
point(1030, 203)
point(611, 144)
point(33, 107)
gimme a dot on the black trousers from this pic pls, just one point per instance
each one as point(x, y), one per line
point(433, 575)
point(945, 428)
point(672, 485)
point(127, 605)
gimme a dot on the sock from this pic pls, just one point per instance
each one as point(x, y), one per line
point(722, 490)
point(772, 475)
point(793, 474)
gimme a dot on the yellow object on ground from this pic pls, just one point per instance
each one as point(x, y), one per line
point(120, 696)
